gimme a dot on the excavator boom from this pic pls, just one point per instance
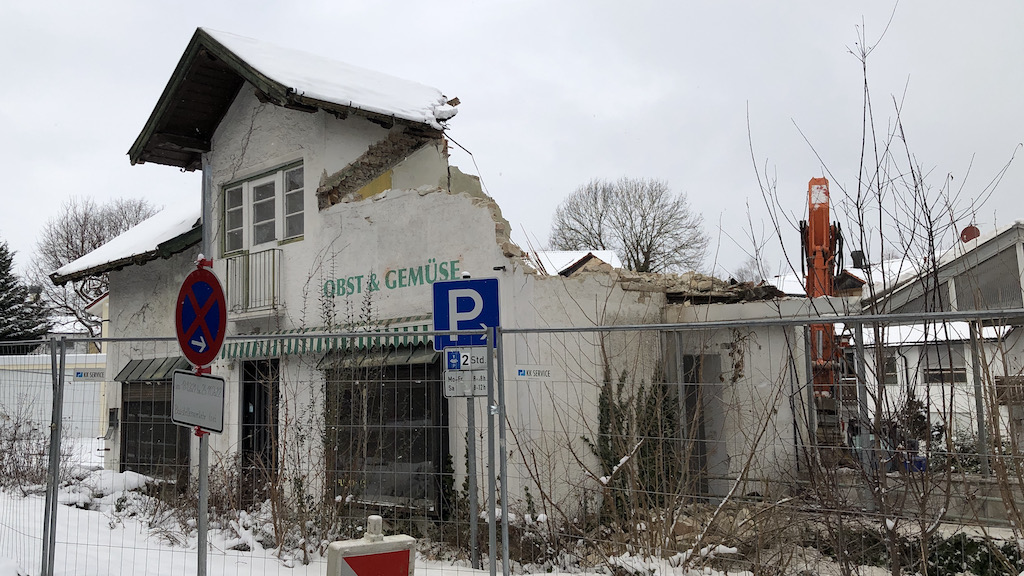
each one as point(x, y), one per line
point(819, 240)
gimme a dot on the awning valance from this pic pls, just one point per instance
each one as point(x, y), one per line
point(151, 369)
point(377, 357)
point(391, 332)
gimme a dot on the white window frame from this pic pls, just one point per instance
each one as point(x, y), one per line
point(286, 210)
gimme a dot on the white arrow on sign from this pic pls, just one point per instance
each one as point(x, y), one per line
point(201, 343)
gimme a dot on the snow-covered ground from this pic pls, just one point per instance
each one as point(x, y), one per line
point(100, 531)
point(102, 542)
point(98, 542)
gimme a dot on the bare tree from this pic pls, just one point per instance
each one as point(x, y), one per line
point(80, 227)
point(750, 271)
point(642, 220)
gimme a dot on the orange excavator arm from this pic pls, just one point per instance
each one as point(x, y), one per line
point(821, 244)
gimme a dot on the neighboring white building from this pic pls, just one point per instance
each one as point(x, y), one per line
point(936, 361)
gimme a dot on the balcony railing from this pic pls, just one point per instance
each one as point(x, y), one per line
point(254, 281)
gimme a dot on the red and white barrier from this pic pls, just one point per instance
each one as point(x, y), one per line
point(372, 555)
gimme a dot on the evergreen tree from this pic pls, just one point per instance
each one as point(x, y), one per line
point(20, 319)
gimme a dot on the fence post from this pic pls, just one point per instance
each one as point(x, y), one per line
point(492, 488)
point(474, 508)
point(53, 470)
point(862, 393)
point(812, 407)
point(979, 400)
point(503, 458)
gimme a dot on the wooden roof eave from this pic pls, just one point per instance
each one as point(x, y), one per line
point(201, 40)
point(166, 98)
point(268, 90)
point(164, 250)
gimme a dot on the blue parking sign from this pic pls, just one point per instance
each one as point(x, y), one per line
point(464, 305)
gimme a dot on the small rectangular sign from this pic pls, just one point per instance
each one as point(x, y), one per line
point(90, 375)
point(534, 372)
point(465, 383)
point(466, 358)
point(197, 401)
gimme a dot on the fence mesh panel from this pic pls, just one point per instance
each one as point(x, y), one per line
point(628, 450)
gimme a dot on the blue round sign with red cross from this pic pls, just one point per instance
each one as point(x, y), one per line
point(201, 317)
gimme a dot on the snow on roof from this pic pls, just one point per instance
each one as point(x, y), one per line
point(145, 237)
point(789, 284)
point(555, 261)
point(960, 248)
point(894, 275)
point(890, 272)
point(328, 80)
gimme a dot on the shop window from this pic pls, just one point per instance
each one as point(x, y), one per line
point(150, 443)
point(262, 210)
point(386, 430)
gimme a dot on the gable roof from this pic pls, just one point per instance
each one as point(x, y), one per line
point(168, 232)
point(565, 262)
point(963, 260)
point(215, 66)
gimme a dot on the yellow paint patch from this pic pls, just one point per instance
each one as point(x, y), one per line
point(376, 186)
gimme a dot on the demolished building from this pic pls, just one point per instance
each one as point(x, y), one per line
point(328, 206)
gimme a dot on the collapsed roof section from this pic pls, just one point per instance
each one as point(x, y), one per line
point(568, 262)
point(216, 65)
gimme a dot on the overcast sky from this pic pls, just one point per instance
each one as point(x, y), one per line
point(553, 94)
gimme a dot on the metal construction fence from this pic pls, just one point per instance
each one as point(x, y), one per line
point(623, 449)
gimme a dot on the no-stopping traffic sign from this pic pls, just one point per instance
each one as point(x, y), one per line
point(201, 317)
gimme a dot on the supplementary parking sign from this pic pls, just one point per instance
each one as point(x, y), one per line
point(474, 358)
point(201, 317)
point(464, 305)
point(197, 401)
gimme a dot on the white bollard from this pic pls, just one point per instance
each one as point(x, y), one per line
point(372, 555)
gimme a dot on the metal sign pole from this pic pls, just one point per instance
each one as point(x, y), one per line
point(204, 497)
point(202, 514)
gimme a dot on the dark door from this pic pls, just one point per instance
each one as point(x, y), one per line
point(260, 391)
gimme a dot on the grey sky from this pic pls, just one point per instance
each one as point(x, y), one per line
point(553, 94)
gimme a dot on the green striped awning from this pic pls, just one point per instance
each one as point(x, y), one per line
point(151, 369)
point(404, 331)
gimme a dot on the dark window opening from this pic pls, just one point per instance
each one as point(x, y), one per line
point(891, 375)
point(386, 433)
point(151, 444)
point(940, 376)
point(1009, 390)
